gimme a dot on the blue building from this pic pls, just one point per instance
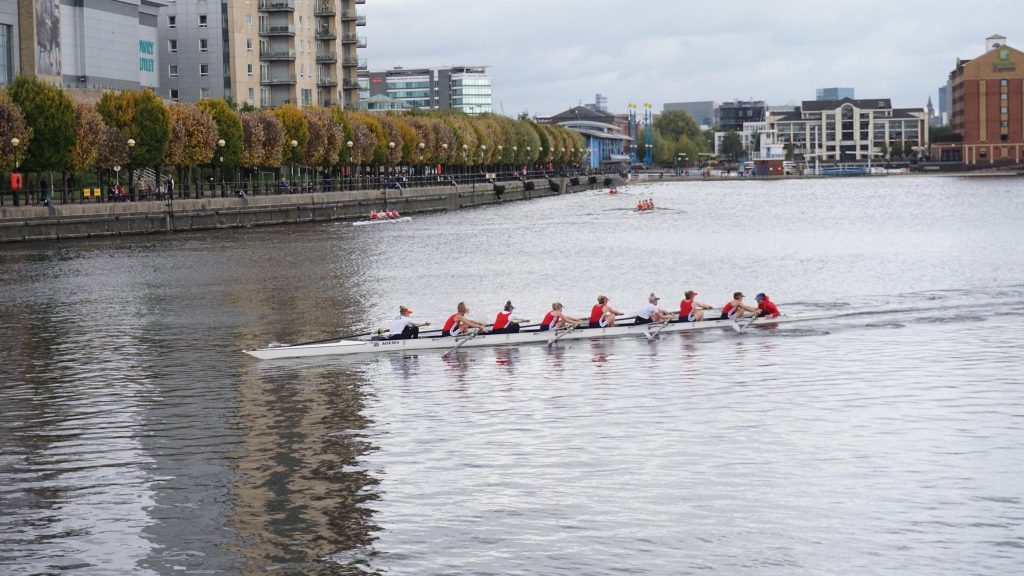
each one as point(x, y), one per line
point(602, 131)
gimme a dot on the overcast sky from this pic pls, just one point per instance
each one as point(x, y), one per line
point(547, 55)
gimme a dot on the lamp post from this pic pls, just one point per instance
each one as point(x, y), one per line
point(444, 155)
point(501, 156)
point(529, 152)
point(391, 151)
point(423, 169)
point(514, 150)
point(220, 145)
point(17, 164)
point(465, 150)
point(131, 170)
point(291, 180)
point(483, 162)
point(349, 146)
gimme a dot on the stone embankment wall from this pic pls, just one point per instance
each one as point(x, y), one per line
point(57, 222)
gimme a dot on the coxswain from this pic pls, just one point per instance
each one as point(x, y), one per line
point(639, 205)
point(735, 308)
point(404, 326)
point(650, 203)
point(690, 310)
point(613, 191)
point(651, 313)
point(602, 315)
point(457, 324)
point(373, 215)
point(766, 307)
point(506, 322)
point(555, 319)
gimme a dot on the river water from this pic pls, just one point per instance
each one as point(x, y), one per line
point(136, 438)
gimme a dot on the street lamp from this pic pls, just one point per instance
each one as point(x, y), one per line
point(17, 164)
point(294, 144)
point(348, 145)
point(220, 144)
point(131, 170)
point(391, 151)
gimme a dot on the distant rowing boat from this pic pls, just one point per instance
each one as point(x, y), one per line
point(382, 221)
point(367, 344)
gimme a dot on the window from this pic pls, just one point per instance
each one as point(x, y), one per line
point(203, 44)
point(1003, 96)
point(172, 70)
point(202, 20)
point(1004, 82)
point(204, 69)
point(251, 100)
point(204, 93)
point(1003, 110)
point(172, 21)
point(264, 96)
point(6, 54)
point(248, 19)
point(173, 93)
point(248, 45)
point(248, 69)
point(172, 46)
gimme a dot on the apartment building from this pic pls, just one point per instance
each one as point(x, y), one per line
point(264, 53)
point(465, 88)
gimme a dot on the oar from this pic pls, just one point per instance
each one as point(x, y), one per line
point(459, 345)
point(336, 338)
point(560, 334)
point(739, 329)
point(650, 335)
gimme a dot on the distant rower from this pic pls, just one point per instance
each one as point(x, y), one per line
point(404, 326)
point(555, 319)
point(651, 313)
point(506, 322)
point(690, 310)
point(735, 308)
point(457, 324)
point(766, 307)
point(602, 315)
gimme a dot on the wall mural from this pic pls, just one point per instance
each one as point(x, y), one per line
point(48, 37)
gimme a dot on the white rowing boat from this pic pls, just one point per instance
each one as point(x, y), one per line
point(382, 221)
point(367, 344)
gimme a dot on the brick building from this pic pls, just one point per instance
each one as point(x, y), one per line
point(987, 115)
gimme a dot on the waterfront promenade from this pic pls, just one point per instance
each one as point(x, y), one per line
point(67, 221)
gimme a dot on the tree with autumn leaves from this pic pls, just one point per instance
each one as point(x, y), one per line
point(137, 129)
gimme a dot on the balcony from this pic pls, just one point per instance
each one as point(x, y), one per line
point(325, 34)
point(278, 55)
point(353, 62)
point(360, 1)
point(326, 81)
point(361, 20)
point(349, 15)
point(278, 80)
point(326, 56)
point(324, 9)
point(349, 39)
point(350, 84)
point(361, 42)
point(281, 30)
point(277, 6)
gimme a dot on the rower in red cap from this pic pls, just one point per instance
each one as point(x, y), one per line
point(690, 310)
point(404, 326)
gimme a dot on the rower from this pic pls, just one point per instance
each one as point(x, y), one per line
point(373, 215)
point(735, 308)
point(506, 322)
point(639, 205)
point(602, 315)
point(690, 310)
point(766, 307)
point(458, 325)
point(555, 319)
point(404, 327)
point(651, 313)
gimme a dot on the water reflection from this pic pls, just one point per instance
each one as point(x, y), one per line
point(301, 495)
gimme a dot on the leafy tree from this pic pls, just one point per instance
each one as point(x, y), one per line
point(896, 150)
point(90, 133)
point(732, 146)
point(252, 140)
point(789, 148)
point(322, 146)
point(193, 136)
point(672, 124)
point(51, 115)
point(229, 128)
point(392, 134)
point(113, 149)
point(364, 142)
point(274, 138)
point(293, 120)
point(140, 116)
point(12, 125)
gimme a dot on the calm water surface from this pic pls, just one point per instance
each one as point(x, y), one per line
point(135, 438)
